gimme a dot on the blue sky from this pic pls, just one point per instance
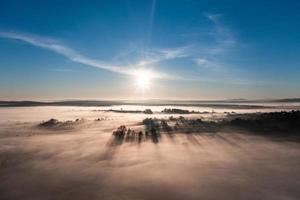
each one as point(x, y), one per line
point(187, 49)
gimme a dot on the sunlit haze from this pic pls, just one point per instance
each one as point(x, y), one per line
point(143, 79)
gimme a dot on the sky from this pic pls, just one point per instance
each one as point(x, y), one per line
point(149, 49)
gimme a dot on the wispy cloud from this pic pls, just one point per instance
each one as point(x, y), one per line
point(201, 61)
point(59, 48)
point(224, 36)
point(55, 46)
point(208, 58)
point(158, 55)
point(224, 41)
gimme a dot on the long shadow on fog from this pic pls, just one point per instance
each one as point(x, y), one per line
point(112, 147)
point(282, 125)
point(152, 128)
point(193, 139)
point(126, 135)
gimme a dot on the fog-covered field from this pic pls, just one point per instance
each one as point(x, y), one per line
point(83, 160)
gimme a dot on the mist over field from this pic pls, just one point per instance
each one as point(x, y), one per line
point(78, 155)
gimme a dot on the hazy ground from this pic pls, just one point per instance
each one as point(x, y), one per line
point(82, 161)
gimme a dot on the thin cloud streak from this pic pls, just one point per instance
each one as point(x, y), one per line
point(74, 56)
point(158, 55)
point(154, 56)
point(54, 46)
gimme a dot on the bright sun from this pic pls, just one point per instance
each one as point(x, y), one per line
point(143, 79)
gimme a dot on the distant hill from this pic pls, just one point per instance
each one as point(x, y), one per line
point(58, 103)
point(234, 103)
point(295, 100)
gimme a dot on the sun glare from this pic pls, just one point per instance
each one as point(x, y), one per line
point(143, 79)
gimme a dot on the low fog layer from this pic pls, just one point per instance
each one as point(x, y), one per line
point(81, 159)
